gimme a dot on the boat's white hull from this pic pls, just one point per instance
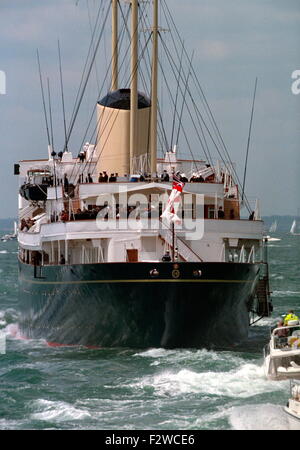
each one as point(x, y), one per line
point(292, 413)
point(280, 373)
point(272, 239)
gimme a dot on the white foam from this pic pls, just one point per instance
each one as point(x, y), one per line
point(285, 293)
point(12, 330)
point(6, 317)
point(3, 251)
point(261, 417)
point(156, 353)
point(57, 411)
point(245, 381)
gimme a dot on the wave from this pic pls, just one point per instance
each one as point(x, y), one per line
point(244, 381)
point(8, 317)
point(160, 356)
point(57, 411)
point(285, 293)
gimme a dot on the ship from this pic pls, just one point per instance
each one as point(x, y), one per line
point(121, 247)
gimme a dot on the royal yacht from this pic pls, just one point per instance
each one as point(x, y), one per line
point(120, 246)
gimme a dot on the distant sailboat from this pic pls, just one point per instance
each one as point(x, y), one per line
point(273, 227)
point(293, 228)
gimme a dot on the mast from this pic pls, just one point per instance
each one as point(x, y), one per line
point(153, 135)
point(134, 81)
point(114, 43)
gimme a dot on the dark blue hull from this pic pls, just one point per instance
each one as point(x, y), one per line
point(125, 304)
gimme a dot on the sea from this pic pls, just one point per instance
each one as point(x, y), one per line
point(76, 388)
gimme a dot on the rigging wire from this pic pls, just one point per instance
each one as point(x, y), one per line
point(95, 106)
point(91, 30)
point(248, 142)
point(83, 83)
point(43, 98)
point(176, 98)
point(207, 107)
point(198, 114)
point(96, 127)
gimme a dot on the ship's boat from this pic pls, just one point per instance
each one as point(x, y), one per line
point(119, 246)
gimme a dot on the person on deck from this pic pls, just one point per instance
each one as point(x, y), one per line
point(165, 176)
point(221, 213)
point(66, 182)
point(166, 257)
point(290, 316)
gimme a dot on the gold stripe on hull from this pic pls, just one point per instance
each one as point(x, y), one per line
point(135, 281)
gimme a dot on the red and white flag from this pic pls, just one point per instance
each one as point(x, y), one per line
point(170, 213)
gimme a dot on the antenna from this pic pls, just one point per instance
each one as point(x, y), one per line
point(50, 114)
point(62, 98)
point(43, 98)
point(248, 143)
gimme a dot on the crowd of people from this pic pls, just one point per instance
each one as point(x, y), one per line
point(114, 177)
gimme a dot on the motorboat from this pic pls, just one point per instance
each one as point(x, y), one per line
point(293, 405)
point(282, 353)
point(272, 239)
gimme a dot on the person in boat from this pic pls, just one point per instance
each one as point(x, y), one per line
point(62, 260)
point(251, 217)
point(105, 177)
point(282, 332)
point(290, 316)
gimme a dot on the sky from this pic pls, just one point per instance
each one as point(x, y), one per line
point(234, 41)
